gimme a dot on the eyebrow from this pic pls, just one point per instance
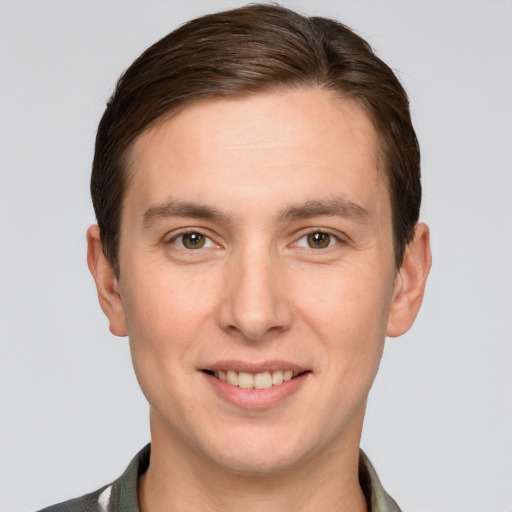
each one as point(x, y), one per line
point(338, 206)
point(180, 209)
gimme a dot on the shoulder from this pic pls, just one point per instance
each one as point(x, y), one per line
point(92, 502)
point(120, 496)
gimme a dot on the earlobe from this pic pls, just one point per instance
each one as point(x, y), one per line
point(106, 283)
point(410, 283)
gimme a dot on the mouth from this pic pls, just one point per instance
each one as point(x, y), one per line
point(256, 385)
point(261, 380)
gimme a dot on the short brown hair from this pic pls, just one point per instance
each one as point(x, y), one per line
point(254, 49)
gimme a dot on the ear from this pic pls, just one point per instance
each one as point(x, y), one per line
point(106, 283)
point(410, 283)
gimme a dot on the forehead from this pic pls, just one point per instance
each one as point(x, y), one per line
point(302, 140)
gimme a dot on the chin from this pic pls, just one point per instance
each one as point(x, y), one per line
point(257, 464)
point(254, 454)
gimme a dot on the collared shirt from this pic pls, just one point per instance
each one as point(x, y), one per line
point(121, 495)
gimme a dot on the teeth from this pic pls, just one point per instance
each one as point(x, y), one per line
point(263, 380)
point(232, 377)
point(245, 380)
point(277, 378)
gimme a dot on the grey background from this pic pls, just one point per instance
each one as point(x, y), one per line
point(439, 421)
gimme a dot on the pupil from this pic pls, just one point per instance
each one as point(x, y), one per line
point(318, 240)
point(193, 240)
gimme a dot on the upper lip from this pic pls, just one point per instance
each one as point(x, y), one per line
point(252, 367)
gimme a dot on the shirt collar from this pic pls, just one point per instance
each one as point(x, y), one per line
point(377, 498)
point(123, 496)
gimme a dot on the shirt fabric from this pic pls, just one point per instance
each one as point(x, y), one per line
point(121, 495)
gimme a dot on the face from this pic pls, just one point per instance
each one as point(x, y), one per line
point(257, 277)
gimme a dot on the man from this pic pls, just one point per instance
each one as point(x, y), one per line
point(257, 188)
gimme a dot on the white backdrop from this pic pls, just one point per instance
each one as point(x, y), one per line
point(71, 413)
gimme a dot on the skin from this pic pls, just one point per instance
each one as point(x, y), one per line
point(257, 292)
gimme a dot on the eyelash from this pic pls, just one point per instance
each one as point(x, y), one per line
point(208, 242)
point(333, 239)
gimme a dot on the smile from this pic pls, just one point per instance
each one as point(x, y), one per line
point(262, 380)
point(256, 386)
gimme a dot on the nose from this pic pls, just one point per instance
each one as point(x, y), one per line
point(255, 303)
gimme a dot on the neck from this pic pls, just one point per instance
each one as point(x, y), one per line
point(326, 481)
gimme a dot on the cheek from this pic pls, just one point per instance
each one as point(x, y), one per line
point(348, 315)
point(163, 322)
point(167, 316)
point(162, 300)
point(346, 301)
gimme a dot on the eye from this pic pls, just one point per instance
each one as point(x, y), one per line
point(192, 240)
point(317, 240)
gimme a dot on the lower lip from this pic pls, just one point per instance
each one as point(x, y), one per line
point(256, 398)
